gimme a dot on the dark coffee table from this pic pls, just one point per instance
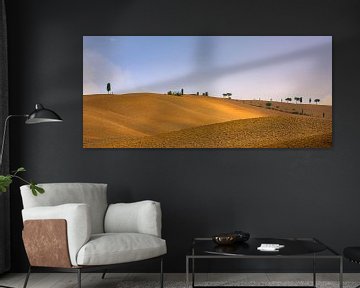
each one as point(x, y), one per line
point(295, 248)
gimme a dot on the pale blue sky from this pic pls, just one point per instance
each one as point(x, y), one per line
point(249, 67)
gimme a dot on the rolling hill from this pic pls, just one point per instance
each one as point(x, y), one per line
point(148, 120)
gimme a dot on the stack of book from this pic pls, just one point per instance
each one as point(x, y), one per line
point(270, 247)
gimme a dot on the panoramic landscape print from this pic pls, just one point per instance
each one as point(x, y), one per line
point(207, 91)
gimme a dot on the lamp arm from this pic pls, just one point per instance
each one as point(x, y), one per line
point(4, 134)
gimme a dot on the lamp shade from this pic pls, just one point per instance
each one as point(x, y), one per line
point(42, 115)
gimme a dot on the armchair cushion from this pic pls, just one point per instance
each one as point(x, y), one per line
point(138, 217)
point(113, 248)
point(92, 194)
point(78, 221)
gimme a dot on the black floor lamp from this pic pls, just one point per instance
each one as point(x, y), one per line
point(39, 115)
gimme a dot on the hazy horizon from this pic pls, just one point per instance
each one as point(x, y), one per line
point(249, 67)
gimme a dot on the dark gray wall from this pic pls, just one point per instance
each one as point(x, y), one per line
point(267, 192)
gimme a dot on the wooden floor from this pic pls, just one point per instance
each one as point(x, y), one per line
point(114, 280)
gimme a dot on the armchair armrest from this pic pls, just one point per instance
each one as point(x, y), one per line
point(138, 217)
point(78, 225)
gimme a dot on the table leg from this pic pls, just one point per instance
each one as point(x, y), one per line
point(193, 267)
point(193, 272)
point(187, 272)
point(341, 273)
point(314, 271)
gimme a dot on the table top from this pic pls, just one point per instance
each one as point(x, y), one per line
point(293, 247)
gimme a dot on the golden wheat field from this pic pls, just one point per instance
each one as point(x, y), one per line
point(150, 120)
point(314, 110)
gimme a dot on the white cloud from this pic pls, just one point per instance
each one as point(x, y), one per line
point(326, 99)
point(98, 71)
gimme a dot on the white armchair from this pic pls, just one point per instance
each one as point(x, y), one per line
point(72, 228)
